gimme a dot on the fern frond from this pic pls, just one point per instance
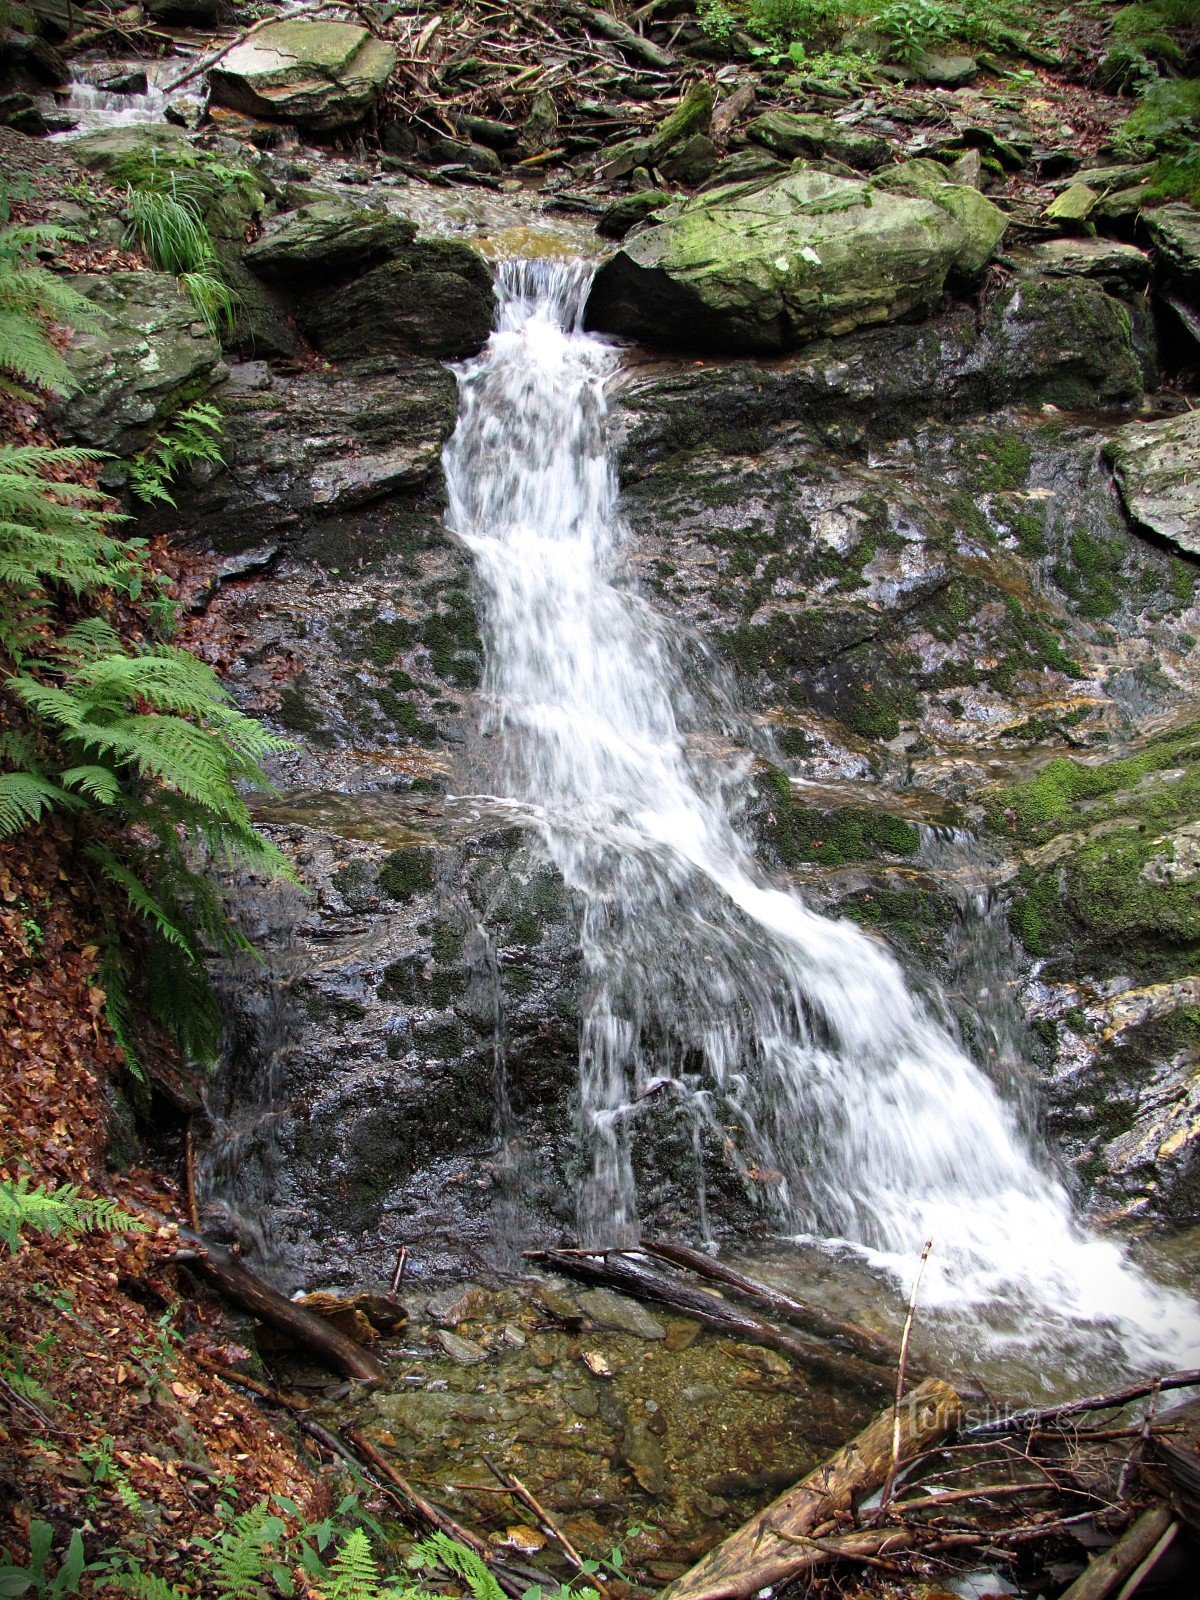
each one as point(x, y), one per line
point(141, 900)
point(25, 798)
point(62, 1210)
point(442, 1551)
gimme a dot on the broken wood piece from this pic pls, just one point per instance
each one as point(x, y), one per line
point(248, 1291)
point(730, 109)
point(777, 1544)
point(812, 1319)
point(713, 1311)
point(1108, 1572)
point(623, 36)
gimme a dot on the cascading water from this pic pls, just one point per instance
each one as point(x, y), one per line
point(701, 974)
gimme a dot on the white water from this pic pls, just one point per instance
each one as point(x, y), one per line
point(792, 1036)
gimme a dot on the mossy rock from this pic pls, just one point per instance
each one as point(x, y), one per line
point(319, 75)
point(434, 299)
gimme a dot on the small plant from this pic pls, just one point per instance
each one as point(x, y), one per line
point(191, 436)
point(57, 1210)
point(30, 298)
point(716, 20)
point(18, 1580)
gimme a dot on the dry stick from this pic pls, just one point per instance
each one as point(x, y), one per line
point(1134, 1581)
point(1024, 1421)
point(1137, 1449)
point(513, 1485)
point(1109, 1571)
point(901, 1369)
point(401, 1263)
point(189, 1163)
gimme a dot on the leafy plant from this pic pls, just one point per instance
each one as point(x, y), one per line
point(17, 1580)
point(57, 1210)
point(30, 297)
point(170, 227)
point(191, 436)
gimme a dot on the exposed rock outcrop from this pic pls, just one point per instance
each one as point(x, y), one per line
point(1157, 467)
point(320, 75)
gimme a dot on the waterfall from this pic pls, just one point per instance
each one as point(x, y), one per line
point(792, 1034)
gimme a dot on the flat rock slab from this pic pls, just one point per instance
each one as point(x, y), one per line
point(1106, 260)
point(1175, 234)
point(1157, 467)
point(465, 1351)
point(620, 1314)
point(319, 75)
point(763, 267)
point(326, 241)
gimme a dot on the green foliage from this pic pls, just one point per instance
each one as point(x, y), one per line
point(170, 229)
point(30, 297)
point(1147, 40)
point(191, 436)
point(784, 22)
point(57, 1210)
point(18, 1580)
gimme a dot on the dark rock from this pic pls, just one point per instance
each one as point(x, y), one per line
point(625, 213)
point(1157, 467)
point(21, 112)
point(691, 116)
point(691, 163)
point(790, 134)
point(1174, 231)
point(186, 13)
point(435, 300)
point(327, 241)
point(132, 82)
point(946, 71)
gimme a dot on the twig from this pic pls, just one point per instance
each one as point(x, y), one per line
point(189, 1167)
point(890, 1480)
point(1024, 1421)
point(401, 1263)
point(513, 1484)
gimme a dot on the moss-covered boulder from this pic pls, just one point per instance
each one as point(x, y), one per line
point(145, 354)
point(764, 267)
point(435, 299)
point(326, 241)
point(319, 75)
point(1157, 468)
point(982, 223)
point(790, 134)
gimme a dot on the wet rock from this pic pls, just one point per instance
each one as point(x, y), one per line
point(693, 115)
point(983, 223)
point(617, 219)
point(131, 82)
point(451, 1306)
point(327, 241)
point(691, 163)
point(1074, 205)
point(605, 1309)
point(434, 300)
point(320, 75)
point(144, 357)
point(458, 152)
point(767, 267)
point(1109, 262)
point(790, 134)
point(583, 1402)
point(187, 13)
point(465, 1351)
point(1157, 467)
point(642, 1454)
point(1174, 231)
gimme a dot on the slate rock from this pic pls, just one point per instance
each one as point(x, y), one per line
point(327, 241)
point(320, 75)
point(1157, 468)
point(617, 1312)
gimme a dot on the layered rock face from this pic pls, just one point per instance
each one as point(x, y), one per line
point(319, 75)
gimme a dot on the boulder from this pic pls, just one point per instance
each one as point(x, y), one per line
point(792, 134)
point(691, 163)
point(1106, 260)
point(617, 219)
point(982, 222)
point(327, 241)
point(1174, 232)
point(434, 299)
point(691, 116)
point(1157, 468)
point(146, 354)
point(764, 267)
point(319, 75)
point(187, 13)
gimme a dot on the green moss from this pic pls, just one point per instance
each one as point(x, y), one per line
point(386, 639)
point(912, 918)
point(299, 712)
point(1091, 573)
point(830, 835)
point(1030, 531)
point(1004, 462)
point(407, 872)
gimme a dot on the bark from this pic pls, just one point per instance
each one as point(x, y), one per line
point(719, 1315)
point(777, 1544)
point(1108, 1572)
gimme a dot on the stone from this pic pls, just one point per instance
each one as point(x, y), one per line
point(145, 355)
point(320, 75)
point(435, 299)
point(188, 13)
point(946, 71)
point(605, 1309)
point(790, 134)
point(132, 82)
point(691, 163)
point(108, 150)
point(767, 266)
point(1074, 204)
point(540, 129)
point(327, 241)
point(1106, 260)
point(968, 169)
point(359, 480)
point(1157, 468)
point(451, 1306)
point(983, 223)
point(642, 1454)
point(691, 116)
point(1174, 231)
point(464, 1351)
point(617, 219)
point(461, 152)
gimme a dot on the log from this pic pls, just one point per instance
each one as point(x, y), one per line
point(623, 36)
point(731, 108)
point(1106, 1574)
point(1025, 1421)
point(813, 1320)
point(715, 1312)
point(248, 1291)
point(777, 1544)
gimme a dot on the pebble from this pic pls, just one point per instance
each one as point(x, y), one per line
point(465, 1351)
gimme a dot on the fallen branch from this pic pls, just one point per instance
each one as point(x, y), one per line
point(715, 1312)
point(764, 1552)
point(1025, 1421)
point(1109, 1571)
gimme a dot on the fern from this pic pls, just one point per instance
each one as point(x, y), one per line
point(31, 297)
point(191, 436)
point(55, 1211)
point(25, 798)
point(439, 1550)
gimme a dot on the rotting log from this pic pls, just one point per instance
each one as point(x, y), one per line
point(248, 1291)
point(811, 1318)
point(778, 1543)
point(1105, 1575)
point(713, 1311)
